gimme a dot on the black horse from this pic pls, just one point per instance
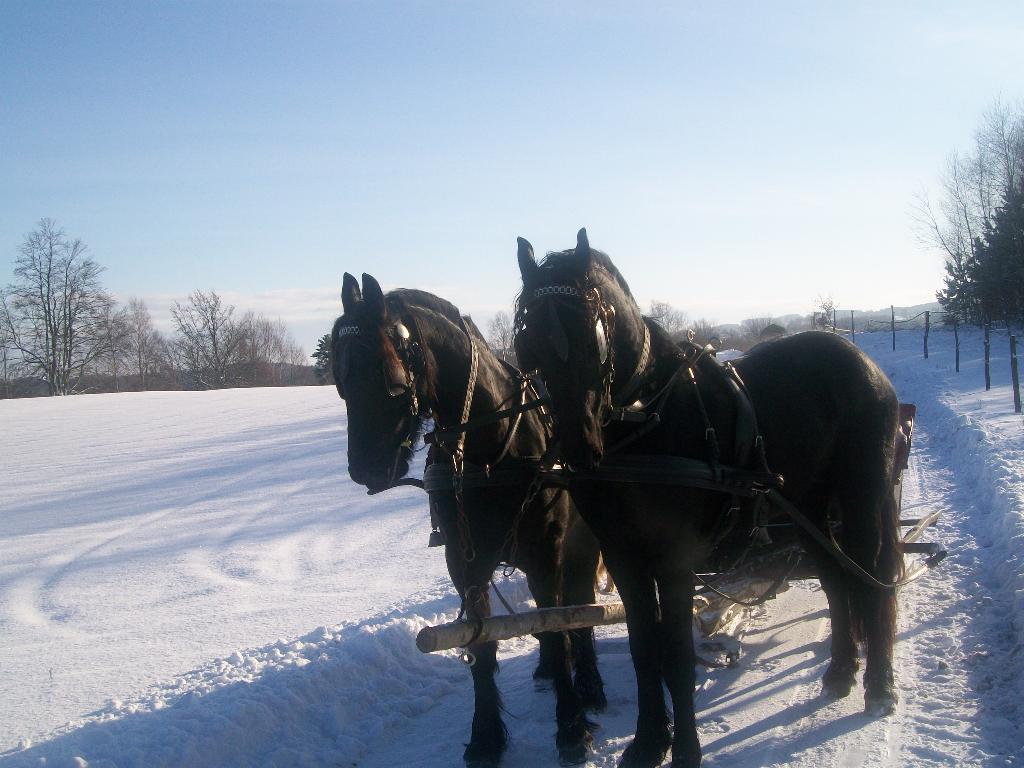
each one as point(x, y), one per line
point(827, 417)
point(401, 358)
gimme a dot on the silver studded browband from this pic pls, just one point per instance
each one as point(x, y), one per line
point(556, 290)
point(348, 330)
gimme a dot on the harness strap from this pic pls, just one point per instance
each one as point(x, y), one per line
point(829, 545)
point(440, 435)
point(511, 434)
point(650, 420)
point(474, 360)
point(635, 382)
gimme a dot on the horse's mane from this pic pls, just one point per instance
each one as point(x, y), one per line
point(403, 299)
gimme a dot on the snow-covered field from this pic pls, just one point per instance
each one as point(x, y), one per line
point(191, 579)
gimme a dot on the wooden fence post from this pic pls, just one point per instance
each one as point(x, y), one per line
point(956, 344)
point(988, 344)
point(927, 328)
point(853, 331)
point(892, 324)
point(1014, 375)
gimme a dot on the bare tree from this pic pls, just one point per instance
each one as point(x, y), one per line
point(52, 311)
point(208, 343)
point(826, 311)
point(8, 352)
point(144, 341)
point(268, 350)
point(499, 334)
point(671, 319)
point(113, 336)
point(753, 327)
point(704, 330)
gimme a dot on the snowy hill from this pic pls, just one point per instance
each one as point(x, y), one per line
point(191, 579)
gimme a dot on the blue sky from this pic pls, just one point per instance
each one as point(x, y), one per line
point(734, 159)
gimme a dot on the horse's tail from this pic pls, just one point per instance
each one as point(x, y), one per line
point(891, 567)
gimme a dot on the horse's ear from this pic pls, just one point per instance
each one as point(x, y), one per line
point(350, 294)
point(582, 244)
point(374, 297)
point(527, 262)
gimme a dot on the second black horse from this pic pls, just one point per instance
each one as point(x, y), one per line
point(827, 418)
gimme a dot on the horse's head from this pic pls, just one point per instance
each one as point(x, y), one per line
point(570, 326)
point(377, 368)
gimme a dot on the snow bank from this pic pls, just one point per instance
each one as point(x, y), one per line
point(978, 428)
point(319, 700)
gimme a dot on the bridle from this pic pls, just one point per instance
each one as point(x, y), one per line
point(399, 374)
point(602, 313)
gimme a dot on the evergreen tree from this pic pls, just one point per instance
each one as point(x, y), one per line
point(322, 355)
point(1000, 272)
point(959, 298)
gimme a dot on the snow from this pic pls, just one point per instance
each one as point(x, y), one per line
point(191, 579)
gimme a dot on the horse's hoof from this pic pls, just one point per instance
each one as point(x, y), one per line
point(486, 747)
point(838, 682)
point(481, 758)
point(646, 753)
point(880, 704)
point(686, 754)
point(575, 754)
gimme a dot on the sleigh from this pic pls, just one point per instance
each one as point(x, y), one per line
point(741, 571)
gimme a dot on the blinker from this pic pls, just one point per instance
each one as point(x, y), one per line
point(559, 341)
point(396, 377)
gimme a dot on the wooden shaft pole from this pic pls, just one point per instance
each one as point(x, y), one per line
point(458, 634)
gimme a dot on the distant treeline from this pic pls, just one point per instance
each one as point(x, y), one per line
point(62, 333)
point(978, 224)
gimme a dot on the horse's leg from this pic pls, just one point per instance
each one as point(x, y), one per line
point(871, 535)
point(488, 737)
point(675, 590)
point(573, 737)
point(635, 583)
point(841, 674)
point(581, 558)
